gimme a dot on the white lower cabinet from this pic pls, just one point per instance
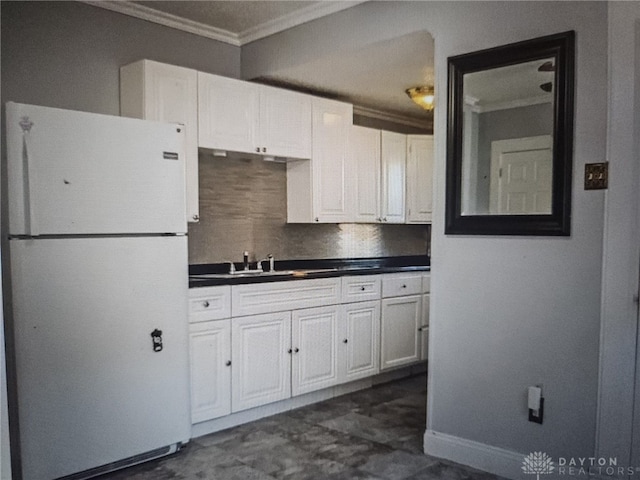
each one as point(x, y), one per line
point(314, 338)
point(261, 360)
point(359, 340)
point(401, 318)
point(423, 330)
point(210, 355)
point(261, 356)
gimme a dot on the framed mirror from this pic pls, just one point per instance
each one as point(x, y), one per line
point(510, 139)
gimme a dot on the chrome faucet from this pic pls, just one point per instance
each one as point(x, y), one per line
point(271, 261)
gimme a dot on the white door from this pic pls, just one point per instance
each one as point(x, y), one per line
point(91, 388)
point(314, 340)
point(521, 176)
point(210, 354)
point(400, 320)
point(285, 123)
point(332, 122)
point(365, 157)
point(261, 360)
point(83, 173)
point(166, 93)
point(419, 178)
point(359, 340)
point(394, 160)
point(228, 112)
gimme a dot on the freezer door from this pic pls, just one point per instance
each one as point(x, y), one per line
point(83, 173)
point(91, 388)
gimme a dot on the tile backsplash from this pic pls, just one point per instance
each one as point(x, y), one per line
point(243, 206)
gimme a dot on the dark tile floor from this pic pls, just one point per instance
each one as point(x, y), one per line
point(370, 434)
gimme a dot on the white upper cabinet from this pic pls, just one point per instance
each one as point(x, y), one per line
point(285, 123)
point(228, 113)
point(318, 190)
point(393, 148)
point(247, 117)
point(166, 93)
point(419, 178)
point(365, 158)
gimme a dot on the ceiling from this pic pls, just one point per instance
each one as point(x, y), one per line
point(374, 77)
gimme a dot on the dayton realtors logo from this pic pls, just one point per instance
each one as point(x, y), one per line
point(538, 463)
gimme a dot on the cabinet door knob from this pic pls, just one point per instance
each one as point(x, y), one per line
point(196, 217)
point(317, 219)
point(296, 350)
point(258, 149)
point(404, 286)
point(362, 289)
point(228, 364)
point(264, 149)
point(345, 341)
point(289, 351)
point(205, 304)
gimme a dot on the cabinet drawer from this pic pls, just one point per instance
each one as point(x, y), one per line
point(399, 284)
point(361, 288)
point(426, 283)
point(210, 303)
point(281, 296)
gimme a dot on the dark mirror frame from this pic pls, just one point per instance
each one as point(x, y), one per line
point(562, 48)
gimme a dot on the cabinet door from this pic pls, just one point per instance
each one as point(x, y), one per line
point(210, 354)
point(261, 371)
point(400, 320)
point(359, 340)
point(423, 330)
point(166, 93)
point(365, 157)
point(419, 178)
point(394, 159)
point(332, 122)
point(314, 341)
point(228, 112)
point(285, 123)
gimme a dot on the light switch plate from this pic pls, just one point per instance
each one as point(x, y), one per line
point(596, 176)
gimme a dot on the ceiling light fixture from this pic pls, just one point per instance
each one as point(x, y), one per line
point(422, 96)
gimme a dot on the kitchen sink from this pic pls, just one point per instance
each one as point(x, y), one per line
point(257, 273)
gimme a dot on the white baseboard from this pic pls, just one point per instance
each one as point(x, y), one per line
point(498, 461)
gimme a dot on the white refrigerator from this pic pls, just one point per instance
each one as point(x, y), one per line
point(99, 278)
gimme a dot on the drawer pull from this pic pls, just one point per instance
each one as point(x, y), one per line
point(205, 304)
point(228, 364)
point(362, 289)
point(404, 286)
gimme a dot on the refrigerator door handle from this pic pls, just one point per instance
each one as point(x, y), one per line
point(26, 124)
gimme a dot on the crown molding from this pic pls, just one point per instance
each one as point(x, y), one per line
point(520, 102)
point(293, 19)
point(285, 22)
point(390, 117)
point(167, 19)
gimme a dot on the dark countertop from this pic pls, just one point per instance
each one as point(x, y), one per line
point(287, 270)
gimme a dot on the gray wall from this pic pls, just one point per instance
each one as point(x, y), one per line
point(506, 312)
point(68, 55)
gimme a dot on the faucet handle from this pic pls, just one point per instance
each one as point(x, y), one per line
point(232, 267)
